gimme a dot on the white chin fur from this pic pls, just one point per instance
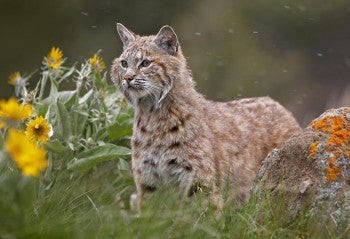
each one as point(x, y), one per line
point(136, 93)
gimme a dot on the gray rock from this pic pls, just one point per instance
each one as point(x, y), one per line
point(310, 173)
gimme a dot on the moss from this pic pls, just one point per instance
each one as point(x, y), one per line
point(338, 129)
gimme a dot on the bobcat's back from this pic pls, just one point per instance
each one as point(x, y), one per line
point(245, 132)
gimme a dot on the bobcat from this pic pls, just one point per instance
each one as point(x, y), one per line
point(179, 137)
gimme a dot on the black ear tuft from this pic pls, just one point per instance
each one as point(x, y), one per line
point(126, 35)
point(167, 40)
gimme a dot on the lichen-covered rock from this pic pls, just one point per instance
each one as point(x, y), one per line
point(310, 173)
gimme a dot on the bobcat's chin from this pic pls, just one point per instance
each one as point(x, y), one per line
point(141, 90)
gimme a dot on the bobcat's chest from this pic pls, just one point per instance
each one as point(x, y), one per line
point(157, 165)
point(160, 147)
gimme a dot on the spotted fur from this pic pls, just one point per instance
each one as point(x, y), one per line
point(179, 137)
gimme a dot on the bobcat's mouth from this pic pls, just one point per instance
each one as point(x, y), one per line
point(137, 85)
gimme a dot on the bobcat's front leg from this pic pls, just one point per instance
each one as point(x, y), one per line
point(142, 190)
point(137, 198)
point(189, 185)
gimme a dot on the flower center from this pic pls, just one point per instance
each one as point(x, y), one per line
point(52, 60)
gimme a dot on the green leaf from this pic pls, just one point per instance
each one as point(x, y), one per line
point(86, 97)
point(54, 88)
point(67, 97)
point(113, 89)
point(123, 125)
point(55, 146)
point(98, 80)
point(88, 131)
point(60, 120)
point(64, 123)
point(81, 118)
point(123, 164)
point(67, 74)
point(42, 107)
point(113, 97)
point(92, 157)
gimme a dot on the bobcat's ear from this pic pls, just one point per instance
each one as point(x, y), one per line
point(126, 35)
point(167, 40)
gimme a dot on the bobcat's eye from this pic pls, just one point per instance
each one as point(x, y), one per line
point(124, 63)
point(145, 63)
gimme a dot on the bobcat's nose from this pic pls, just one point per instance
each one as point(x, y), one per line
point(129, 78)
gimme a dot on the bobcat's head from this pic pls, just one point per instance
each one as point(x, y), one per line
point(148, 65)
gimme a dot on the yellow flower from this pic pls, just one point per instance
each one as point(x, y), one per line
point(14, 77)
point(29, 158)
point(13, 110)
point(97, 63)
point(38, 130)
point(54, 58)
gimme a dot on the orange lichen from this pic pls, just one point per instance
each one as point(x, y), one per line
point(331, 176)
point(333, 172)
point(331, 160)
point(329, 124)
point(340, 137)
point(338, 129)
point(347, 154)
point(313, 148)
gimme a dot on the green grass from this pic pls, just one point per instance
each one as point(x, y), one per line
point(96, 205)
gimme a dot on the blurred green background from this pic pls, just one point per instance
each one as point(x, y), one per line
point(298, 52)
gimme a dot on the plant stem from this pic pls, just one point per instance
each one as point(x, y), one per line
point(76, 103)
point(43, 84)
